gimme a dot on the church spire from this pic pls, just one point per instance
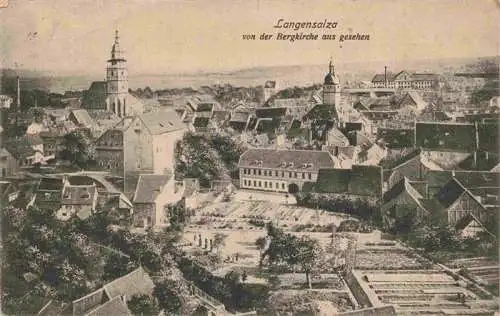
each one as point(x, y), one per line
point(331, 67)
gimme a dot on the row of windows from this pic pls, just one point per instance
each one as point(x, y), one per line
point(267, 184)
point(276, 173)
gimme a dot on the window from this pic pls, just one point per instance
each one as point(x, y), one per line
point(244, 182)
point(309, 175)
point(295, 175)
point(244, 171)
point(260, 172)
point(303, 175)
point(282, 174)
point(265, 184)
point(265, 172)
point(276, 173)
point(260, 184)
point(254, 171)
point(276, 185)
point(254, 183)
point(290, 174)
point(283, 186)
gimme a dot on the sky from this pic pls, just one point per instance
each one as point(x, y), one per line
point(171, 36)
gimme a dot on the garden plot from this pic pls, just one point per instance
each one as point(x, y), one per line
point(376, 259)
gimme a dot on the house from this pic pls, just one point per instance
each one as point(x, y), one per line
point(153, 193)
point(48, 194)
point(371, 154)
point(437, 136)
point(405, 80)
point(413, 99)
point(5, 101)
point(81, 118)
point(77, 200)
point(396, 137)
point(456, 201)
point(403, 197)
point(357, 180)
point(336, 138)
point(269, 89)
point(239, 120)
point(140, 144)
point(112, 298)
point(9, 165)
point(409, 165)
point(281, 170)
point(344, 156)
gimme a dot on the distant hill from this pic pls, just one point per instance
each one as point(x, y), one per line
point(286, 76)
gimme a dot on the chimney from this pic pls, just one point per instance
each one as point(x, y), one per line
point(18, 94)
point(475, 159)
point(476, 134)
point(486, 155)
point(385, 76)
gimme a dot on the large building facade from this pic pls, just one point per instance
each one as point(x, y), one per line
point(405, 80)
point(143, 144)
point(281, 170)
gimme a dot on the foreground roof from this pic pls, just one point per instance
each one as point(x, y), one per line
point(136, 282)
point(149, 186)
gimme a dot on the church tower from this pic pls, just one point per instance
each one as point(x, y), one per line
point(331, 88)
point(116, 80)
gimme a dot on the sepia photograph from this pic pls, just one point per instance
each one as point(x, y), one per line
point(249, 157)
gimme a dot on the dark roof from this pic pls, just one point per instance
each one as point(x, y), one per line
point(220, 117)
point(353, 126)
point(382, 77)
point(445, 136)
point(114, 307)
point(450, 193)
point(136, 282)
point(397, 138)
point(270, 112)
point(163, 121)
point(204, 107)
point(488, 136)
point(322, 112)
point(270, 84)
point(20, 148)
point(359, 180)
point(79, 195)
point(474, 180)
point(423, 76)
point(272, 158)
point(50, 184)
point(484, 161)
point(267, 125)
point(95, 96)
point(201, 122)
point(149, 186)
point(400, 187)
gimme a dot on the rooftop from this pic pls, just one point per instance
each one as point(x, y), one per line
point(306, 160)
point(149, 186)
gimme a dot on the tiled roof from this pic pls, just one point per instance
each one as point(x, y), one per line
point(423, 77)
point(358, 138)
point(136, 282)
point(445, 136)
point(220, 117)
point(163, 121)
point(400, 187)
point(270, 112)
point(321, 112)
point(267, 125)
point(382, 77)
point(20, 148)
point(78, 195)
point(113, 307)
point(50, 184)
point(292, 102)
point(450, 193)
point(83, 118)
point(204, 107)
point(270, 158)
point(359, 180)
point(397, 138)
point(484, 161)
point(201, 122)
point(95, 96)
point(335, 135)
point(488, 136)
point(149, 187)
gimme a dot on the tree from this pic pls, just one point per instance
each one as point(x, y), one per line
point(115, 267)
point(77, 149)
point(178, 215)
point(309, 254)
point(167, 297)
point(219, 241)
point(143, 305)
